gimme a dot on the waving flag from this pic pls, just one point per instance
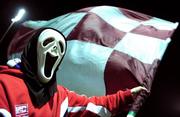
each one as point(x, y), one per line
point(108, 48)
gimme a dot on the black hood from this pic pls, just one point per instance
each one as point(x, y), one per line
point(40, 92)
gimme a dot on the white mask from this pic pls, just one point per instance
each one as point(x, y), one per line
point(51, 47)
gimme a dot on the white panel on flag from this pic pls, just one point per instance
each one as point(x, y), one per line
point(144, 48)
point(84, 61)
point(114, 17)
point(160, 24)
point(63, 23)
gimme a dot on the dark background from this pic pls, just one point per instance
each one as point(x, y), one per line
point(164, 100)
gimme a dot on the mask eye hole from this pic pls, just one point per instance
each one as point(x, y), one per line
point(47, 41)
point(61, 47)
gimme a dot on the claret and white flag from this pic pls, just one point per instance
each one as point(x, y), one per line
point(108, 48)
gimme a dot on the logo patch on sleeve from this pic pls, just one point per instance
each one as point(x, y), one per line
point(21, 110)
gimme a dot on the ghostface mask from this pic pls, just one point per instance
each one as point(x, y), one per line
point(40, 60)
point(50, 50)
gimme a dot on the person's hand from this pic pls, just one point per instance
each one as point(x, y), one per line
point(138, 89)
point(135, 91)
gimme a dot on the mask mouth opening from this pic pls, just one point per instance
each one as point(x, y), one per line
point(50, 61)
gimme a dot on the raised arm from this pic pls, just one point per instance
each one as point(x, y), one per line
point(104, 106)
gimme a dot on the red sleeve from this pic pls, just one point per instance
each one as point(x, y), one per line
point(104, 106)
point(4, 106)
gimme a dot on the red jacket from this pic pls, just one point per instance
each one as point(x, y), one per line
point(15, 100)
